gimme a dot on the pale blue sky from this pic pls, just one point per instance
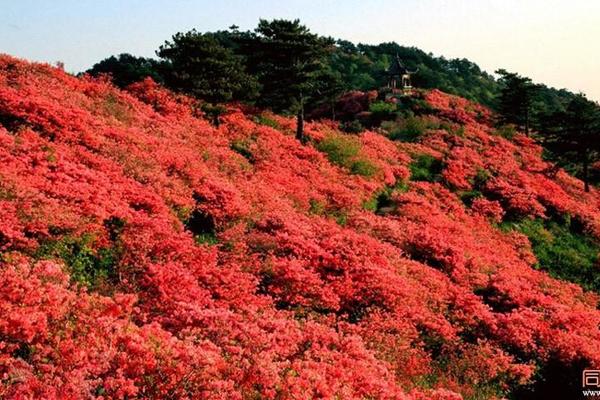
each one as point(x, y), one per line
point(552, 41)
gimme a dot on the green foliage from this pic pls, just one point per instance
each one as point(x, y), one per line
point(264, 120)
point(320, 208)
point(339, 149)
point(242, 147)
point(345, 152)
point(208, 238)
point(213, 112)
point(381, 202)
point(413, 105)
point(363, 167)
point(426, 168)
point(506, 131)
point(353, 126)
point(126, 69)
point(478, 182)
point(516, 99)
point(363, 67)
point(203, 68)
point(409, 129)
point(467, 196)
point(317, 207)
point(87, 266)
point(481, 178)
point(289, 63)
point(573, 136)
point(288, 60)
point(382, 111)
point(561, 250)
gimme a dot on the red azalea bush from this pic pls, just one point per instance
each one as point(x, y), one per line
point(147, 254)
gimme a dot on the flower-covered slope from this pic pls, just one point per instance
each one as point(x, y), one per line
point(147, 254)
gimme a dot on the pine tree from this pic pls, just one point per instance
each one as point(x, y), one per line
point(126, 69)
point(201, 67)
point(516, 99)
point(288, 59)
point(573, 135)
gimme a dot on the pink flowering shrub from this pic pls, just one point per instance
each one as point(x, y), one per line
point(145, 253)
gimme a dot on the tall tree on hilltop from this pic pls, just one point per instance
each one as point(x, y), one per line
point(573, 135)
point(203, 68)
point(288, 60)
point(516, 99)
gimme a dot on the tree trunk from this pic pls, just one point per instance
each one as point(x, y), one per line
point(300, 123)
point(527, 122)
point(333, 110)
point(586, 183)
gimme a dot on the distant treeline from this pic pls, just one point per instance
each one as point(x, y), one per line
point(355, 67)
point(283, 66)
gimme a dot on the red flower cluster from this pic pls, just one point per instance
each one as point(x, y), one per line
point(146, 254)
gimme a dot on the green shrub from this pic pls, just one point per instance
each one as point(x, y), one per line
point(382, 111)
point(264, 120)
point(339, 149)
point(426, 168)
point(353, 126)
point(213, 112)
point(561, 250)
point(208, 238)
point(87, 266)
point(506, 131)
point(468, 196)
point(242, 147)
point(409, 129)
point(415, 105)
point(481, 178)
point(382, 107)
point(345, 152)
point(317, 207)
point(382, 199)
point(363, 168)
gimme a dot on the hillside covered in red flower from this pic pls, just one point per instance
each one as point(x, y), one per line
point(145, 253)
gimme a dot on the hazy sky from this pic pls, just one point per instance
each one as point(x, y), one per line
point(556, 42)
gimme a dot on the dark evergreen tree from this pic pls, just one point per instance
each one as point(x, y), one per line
point(516, 99)
point(288, 60)
point(573, 136)
point(202, 67)
point(126, 69)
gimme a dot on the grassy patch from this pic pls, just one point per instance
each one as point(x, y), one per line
point(505, 131)
point(116, 108)
point(264, 120)
point(242, 147)
point(409, 130)
point(320, 208)
point(561, 250)
point(345, 152)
